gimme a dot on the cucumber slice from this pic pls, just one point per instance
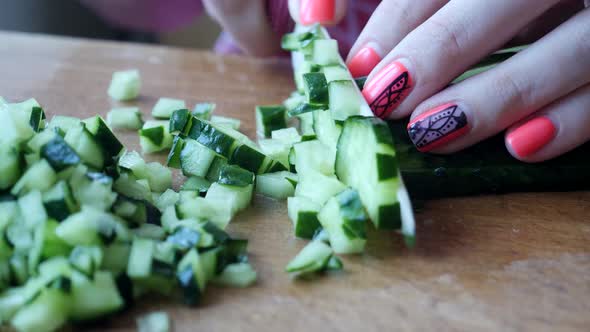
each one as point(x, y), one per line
point(236, 275)
point(225, 121)
point(314, 156)
point(59, 201)
point(196, 183)
point(103, 135)
point(204, 110)
point(40, 177)
point(336, 73)
point(155, 136)
point(47, 312)
point(325, 52)
point(180, 122)
point(318, 187)
point(235, 176)
point(366, 161)
point(279, 185)
point(195, 158)
point(86, 146)
point(325, 128)
point(166, 106)
point(96, 298)
point(217, 211)
point(125, 118)
point(303, 212)
point(344, 99)
point(316, 89)
point(312, 258)
point(344, 218)
point(10, 166)
point(154, 322)
point(125, 85)
point(59, 154)
point(288, 136)
point(269, 118)
point(233, 197)
point(276, 150)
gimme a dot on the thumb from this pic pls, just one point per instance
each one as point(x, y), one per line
point(325, 12)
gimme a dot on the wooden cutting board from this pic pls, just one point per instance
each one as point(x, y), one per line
point(496, 263)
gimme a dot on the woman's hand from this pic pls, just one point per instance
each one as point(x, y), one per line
point(412, 50)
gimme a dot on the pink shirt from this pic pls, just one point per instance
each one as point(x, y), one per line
point(167, 15)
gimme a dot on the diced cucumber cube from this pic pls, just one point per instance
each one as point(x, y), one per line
point(125, 85)
point(166, 106)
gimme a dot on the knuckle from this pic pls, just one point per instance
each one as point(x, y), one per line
point(512, 92)
point(449, 38)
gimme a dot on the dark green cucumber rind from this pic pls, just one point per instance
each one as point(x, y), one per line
point(235, 176)
point(384, 169)
point(154, 134)
point(272, 117)
point(105, 137)
point(36, 119)
point(197, 184)
point(486, 168)
point(360, 82)
point(213, 138)
point(276, 166)
point(215, 168)
point(305, 108)
point(307, 224)
point(179, 120)
point(390, 216)
point(353, 214)
point(59, 154)
point(316, 89)
point(173, 159)
point(248, 158)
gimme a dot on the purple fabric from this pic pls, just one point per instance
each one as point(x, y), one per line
point(166, 15)
point(147, 15)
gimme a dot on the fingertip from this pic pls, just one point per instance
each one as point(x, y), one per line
point(324, 12)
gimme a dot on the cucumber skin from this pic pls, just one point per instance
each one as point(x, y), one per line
point(486, 168)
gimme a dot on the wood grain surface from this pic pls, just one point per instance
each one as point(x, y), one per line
point(497, 263)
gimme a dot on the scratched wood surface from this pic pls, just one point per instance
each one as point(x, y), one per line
point(495, 263)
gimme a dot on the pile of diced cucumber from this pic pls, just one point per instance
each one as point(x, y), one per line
point(88, 227)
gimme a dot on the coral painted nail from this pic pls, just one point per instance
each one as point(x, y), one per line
point(437, 127)
point(363, 62)
point(387, 89)
point(316, 11)
point(531, 136)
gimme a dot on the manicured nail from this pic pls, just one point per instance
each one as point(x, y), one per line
point(387, 89)
point(363, 62)
point(437, 127)
point(316, 11)
point(531, 136)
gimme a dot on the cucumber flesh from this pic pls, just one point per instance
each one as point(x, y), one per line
point(125, 85)
point(166, 106)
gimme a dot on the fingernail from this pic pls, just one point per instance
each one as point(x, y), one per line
point(387, 89)
point(437, 127)
point(531, 136)
point(316, 11)
point(363, 62)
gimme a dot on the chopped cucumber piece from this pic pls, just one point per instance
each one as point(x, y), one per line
point(287, 136)
point(10, 166)
point(314, 156)
point(125, 118)
point(166, 106)
point(233, 175)
point(345, 101)
point(203, 110)
point(95, 298)
point(269, 118)
point(325, 52)
point(195, 158)
point(125, 85)
point(234, 197)
point(344, 218)
point(303, 212)
point(86, 146)
point(225, 121)
point(59, 154)
point(318, 187)
point(314, 257)
point(366, 161)
point(47, 312)
point(40, 177)
point(276, 150)
point(217, 211)
point(316, 89)
point(325, 128)
point(155, 136)
point(336, 73)
point(236, 275)
point(278, 185)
